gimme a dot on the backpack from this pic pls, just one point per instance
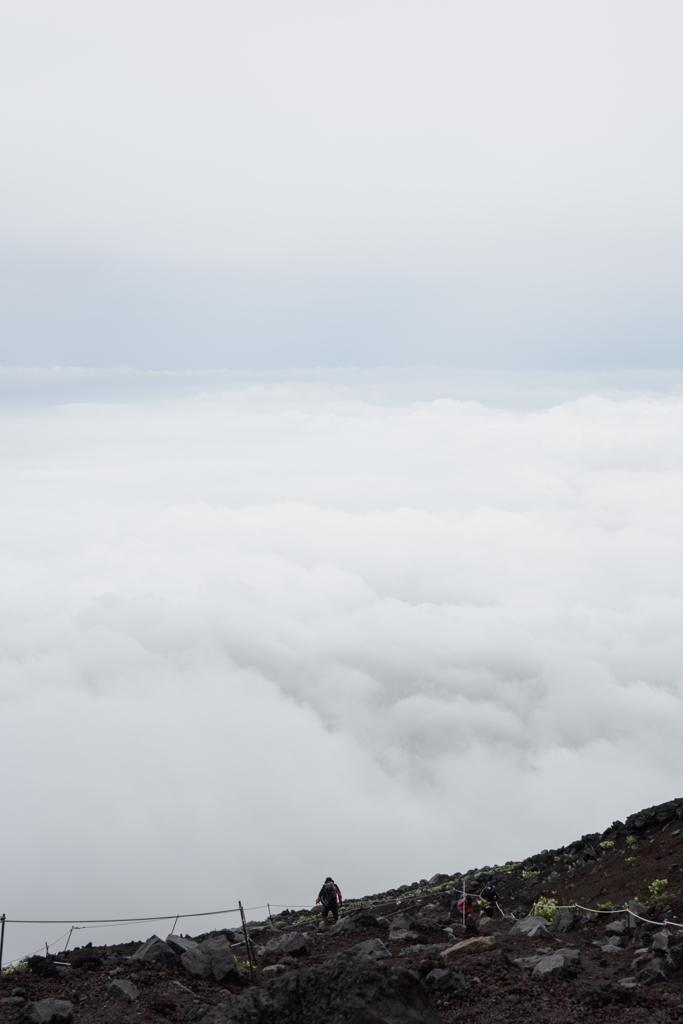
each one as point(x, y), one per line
point(490, 893)
point(329, 895)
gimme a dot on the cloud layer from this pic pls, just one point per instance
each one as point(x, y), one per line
point(259, 634)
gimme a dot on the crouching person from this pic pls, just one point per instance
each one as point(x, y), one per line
point(330, 899)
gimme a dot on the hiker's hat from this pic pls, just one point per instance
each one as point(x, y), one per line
point(328, 879)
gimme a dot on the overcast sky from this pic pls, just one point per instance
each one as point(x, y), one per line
point(271, 184)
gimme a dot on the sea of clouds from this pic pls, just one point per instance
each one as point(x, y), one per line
point(260, 630)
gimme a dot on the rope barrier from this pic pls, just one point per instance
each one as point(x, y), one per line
point(132, 920)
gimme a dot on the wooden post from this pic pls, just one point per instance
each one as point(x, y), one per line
point(2, 940)
point(246, 941)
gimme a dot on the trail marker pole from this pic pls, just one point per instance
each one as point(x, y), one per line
point(270, 916)
point(2, 940)
point(246, 941)
point(69, 939)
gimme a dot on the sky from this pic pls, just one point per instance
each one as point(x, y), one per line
point(341, 412)
point(268, 185)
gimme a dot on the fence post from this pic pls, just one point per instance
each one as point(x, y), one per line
point(2, 940)
point(246, 942)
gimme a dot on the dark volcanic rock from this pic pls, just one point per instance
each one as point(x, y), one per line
point(336, 992)
point(48, 1011)
point(154, 949)
point(85, 959)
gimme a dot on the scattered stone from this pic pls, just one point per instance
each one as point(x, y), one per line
point(616, 928)
point(563, 921)
point(12, 1001)
point(654, 971)
point(478, 945)
point(437, 879)
point(212, 956)
point(636, 908)
point(345, 924)
point(556, 963)
point(180, 945)
point(122, 989)
point(442, 980)
point(371, 949)
point(154, 949)
point(85, 959)
point(339, 990)
point(660, 943)
point(533, 928)
point(273, 969)
point(48, 1011)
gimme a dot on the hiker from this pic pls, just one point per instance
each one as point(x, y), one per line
point(464, 906)
point(331, 899)
point(488, 899)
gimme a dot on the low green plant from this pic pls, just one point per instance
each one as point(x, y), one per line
point(20, 965)
point(630, 860)
point(511, 867)
point(605, 906)
point(528, 873)
point(607, 845)
point(557, 859)
point(545, 907)
point(658, 888)
point(632, 840)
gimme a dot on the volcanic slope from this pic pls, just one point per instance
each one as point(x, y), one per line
point(395, 957)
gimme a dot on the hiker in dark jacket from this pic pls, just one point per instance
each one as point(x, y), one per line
point(330, 898)
point(488, 900)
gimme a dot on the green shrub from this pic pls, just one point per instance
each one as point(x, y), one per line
point(658, 888)
point(20, 965)
point(607, 845)
point(545, 907)
point(605, 906)
point(528, 873)
point(632, 840)
point(510, 867)
point(630, 860)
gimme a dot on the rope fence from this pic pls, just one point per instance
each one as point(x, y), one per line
point(86, 924)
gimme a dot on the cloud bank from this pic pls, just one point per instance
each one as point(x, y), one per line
point(256, 634)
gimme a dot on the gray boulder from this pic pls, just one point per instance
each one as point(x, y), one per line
point(437, 879)
point(211, 957)
point(403, 921)
point(48, 1011)
point(346, 924)
point(295, 944)
point(636, 908)
point(660, 942)
point(124, 990)
point(527, 962)
point(442, 981)
point(180, 945)
point(371, 949)
point(533, 928)
point(556, 963)
point(339, 991)
point(12, 1001)
point(197, 963)
point(563, 921)
point(654, 971)
point(154, 949)
point(619, 927)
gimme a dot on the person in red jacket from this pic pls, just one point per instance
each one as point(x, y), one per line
point(464, 907)
point(330, 898)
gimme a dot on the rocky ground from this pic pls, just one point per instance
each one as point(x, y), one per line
point(404, 956)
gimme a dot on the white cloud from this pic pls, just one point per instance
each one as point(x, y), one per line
point(255, 635)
